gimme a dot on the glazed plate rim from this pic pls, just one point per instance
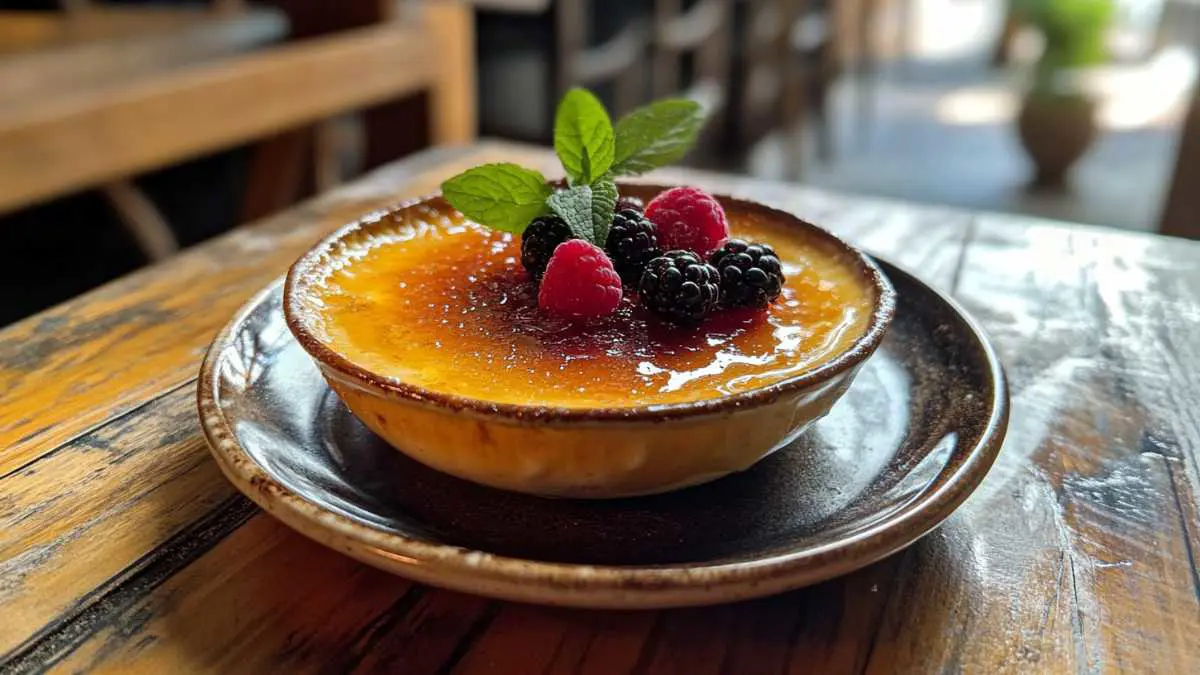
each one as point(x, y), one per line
point(601, 586)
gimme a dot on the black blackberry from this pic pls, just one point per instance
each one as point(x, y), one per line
point(631, 244)
point(539, 240)
point(751, 275)
point(680, 287)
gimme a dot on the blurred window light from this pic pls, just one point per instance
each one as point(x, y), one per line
point(1140, 96)
point(1130, 96)
point(977, 106)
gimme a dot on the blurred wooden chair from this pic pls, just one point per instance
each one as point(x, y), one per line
point(785, 62)
point(49, 59)
point(814, 41)
point(691, 51)
point(531, 54)
point(106, 94)
point(1181, 212)
point(691, 58)
point(760, 69)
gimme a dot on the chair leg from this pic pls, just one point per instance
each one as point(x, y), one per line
point(905, 31)
point(794, 76)
point(142, 219)
point(826, 73)
point(452, 96)
point(822, 127)
point(1002, 50)
point(793, 151)
point(229, 6)
point(1180, 211)
point(327, 155)
point(279, 173)
point(868, 71)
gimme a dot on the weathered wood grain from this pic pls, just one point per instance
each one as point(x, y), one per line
point(311, 610)
point(1077, 554)
point(267, 600)
point(70, 368)
point(89, 514)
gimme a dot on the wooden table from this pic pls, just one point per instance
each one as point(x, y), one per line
point(122, 548)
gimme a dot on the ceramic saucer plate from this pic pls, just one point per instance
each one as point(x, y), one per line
point(914, 435)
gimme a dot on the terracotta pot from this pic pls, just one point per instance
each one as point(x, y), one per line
point(1056, 130)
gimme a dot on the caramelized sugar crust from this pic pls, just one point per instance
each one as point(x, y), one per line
point(442, 303)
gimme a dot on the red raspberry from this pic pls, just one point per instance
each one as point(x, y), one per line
point(688, 219)
point(579, 282)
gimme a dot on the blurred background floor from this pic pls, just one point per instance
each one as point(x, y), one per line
point(942, 128)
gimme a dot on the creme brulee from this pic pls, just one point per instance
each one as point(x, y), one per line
point(442, 303)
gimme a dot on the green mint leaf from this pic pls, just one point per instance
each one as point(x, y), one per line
point(583, 137)
point(604, 202)
point(502, 196)
point(656, 135)
point(574, 205)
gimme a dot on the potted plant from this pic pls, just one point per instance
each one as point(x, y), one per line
point(1057, 121)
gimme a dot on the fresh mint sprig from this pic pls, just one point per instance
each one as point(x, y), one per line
point(604, 202)
point(656, 135)
point(583, 137)
point(593, 152)
point(574, 205)
point(502, 196)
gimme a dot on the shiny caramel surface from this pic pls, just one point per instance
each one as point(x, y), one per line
point(442, 303)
